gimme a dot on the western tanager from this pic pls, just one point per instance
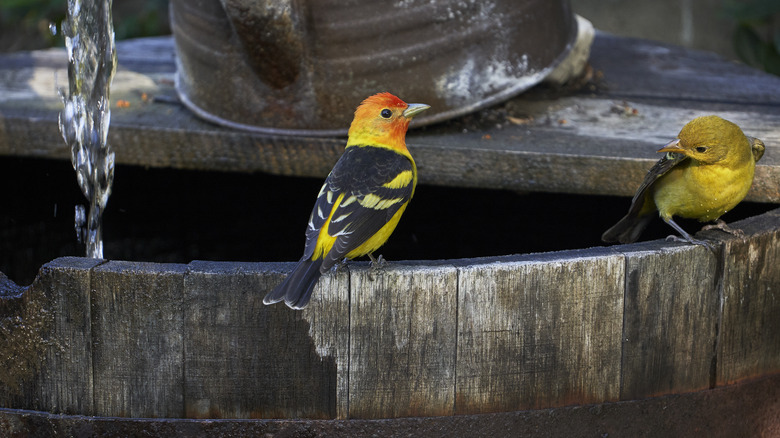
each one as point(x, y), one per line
point(706, 172)
point(362, 198)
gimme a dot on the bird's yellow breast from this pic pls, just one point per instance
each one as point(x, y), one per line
point(703, 192)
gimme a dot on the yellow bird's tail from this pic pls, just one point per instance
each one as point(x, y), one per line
point(628, 229)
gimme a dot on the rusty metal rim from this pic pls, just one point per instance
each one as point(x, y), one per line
point(507, 93)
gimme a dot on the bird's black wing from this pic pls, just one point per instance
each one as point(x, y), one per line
point(363, 175)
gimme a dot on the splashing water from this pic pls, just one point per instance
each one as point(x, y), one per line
point(89, 39)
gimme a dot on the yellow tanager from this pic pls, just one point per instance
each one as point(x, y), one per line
point(706, 172)
point(362, 198)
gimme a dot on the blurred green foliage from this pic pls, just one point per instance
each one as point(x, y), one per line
point(26, 24)
point(757, 36)
point(134, 19)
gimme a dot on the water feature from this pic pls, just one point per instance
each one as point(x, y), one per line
point(89, 39)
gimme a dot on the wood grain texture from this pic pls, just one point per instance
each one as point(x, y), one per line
point(637, 68)
point(247, 360)
point(328, 315)
point(670, 319)
point(402, 341)
point(749, 338)
point(45, 340)
point(137, 339)
point(67, 371)
point(539, 331)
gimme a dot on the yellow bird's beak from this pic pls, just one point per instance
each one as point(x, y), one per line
point(414, 108)
point(673, 146)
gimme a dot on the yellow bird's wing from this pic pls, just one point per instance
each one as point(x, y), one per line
point(628, 229)
point(757, 147)
point(363, 192)
point(659, 169)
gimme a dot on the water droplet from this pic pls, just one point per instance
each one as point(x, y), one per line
point(80, 222)
point(53, 28)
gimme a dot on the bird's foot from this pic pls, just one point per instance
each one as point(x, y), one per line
point(721, 225)
point(686, 237)
point(377, 264)
point(689, 239)
point(340, 266)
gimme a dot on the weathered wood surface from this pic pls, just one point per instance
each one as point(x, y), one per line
point(599, 139)
point(137, 339)
point(539, 331)
point(262, 362)
point(50, 334)
point(669, 326)
point(403, 327)
point(748, 343)
point(418, 339)
point(740, 410)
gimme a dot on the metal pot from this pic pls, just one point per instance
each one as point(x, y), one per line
point(301, 67)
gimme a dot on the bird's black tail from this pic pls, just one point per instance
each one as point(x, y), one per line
point(628, 229)
point(296, 289)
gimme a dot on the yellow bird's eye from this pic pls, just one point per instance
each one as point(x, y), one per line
point(386, 113)
point(701, 149)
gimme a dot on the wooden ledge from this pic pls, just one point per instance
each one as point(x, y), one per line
point(423, 338)
point(597, 139)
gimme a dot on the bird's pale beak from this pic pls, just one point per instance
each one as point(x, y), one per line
point(673, 146)
point(414, 108)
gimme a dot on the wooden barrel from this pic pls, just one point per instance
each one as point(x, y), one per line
point(110, 348)
point(418, 339)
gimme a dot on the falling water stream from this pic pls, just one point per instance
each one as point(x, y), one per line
point(89, 39)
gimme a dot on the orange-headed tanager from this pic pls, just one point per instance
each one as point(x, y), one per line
point(706, 172)
point(362, 198)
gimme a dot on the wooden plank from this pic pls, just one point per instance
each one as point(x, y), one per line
point(672, 308)
point(640, 68)
point(328, 315)
point(247, 360)
point(544, 140)
point(46, 341)
point(22, 329)
point(137, 339)
point(67, 381)
point(749, 337)
point(402, 341)
point(539, 331)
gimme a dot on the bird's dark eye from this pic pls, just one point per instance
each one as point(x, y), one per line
point(386, 113)
point(701, 149)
